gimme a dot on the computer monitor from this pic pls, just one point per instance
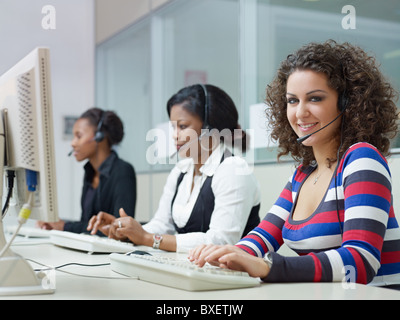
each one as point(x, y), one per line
point(27, 148)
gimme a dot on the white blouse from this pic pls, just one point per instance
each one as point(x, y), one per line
point(236, 192)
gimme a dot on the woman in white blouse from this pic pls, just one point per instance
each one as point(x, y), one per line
point(211, 196)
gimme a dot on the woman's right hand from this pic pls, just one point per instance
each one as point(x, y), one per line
point(102, 221)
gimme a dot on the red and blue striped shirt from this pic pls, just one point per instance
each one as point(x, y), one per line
point(368, 251)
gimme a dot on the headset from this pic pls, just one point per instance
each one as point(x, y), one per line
point(342, 102)
point(99, 135)
point(206, 125)
point(342, 105)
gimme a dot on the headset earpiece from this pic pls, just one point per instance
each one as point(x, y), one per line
point(342, 102)
point(206, 125)
point(342, 105)
point(99, 135)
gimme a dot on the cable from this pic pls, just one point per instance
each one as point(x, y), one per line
point(10, 183)
point(82, 265)
point(23, 215)
point(8, 245)
point(25, 212)
point(337, 167)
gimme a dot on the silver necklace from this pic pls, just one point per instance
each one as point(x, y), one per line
point(316, 178)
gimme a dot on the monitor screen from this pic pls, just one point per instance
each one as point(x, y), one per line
point(26, 107)
point(27, 151)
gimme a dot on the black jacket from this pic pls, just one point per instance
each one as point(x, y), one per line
point(117, 189)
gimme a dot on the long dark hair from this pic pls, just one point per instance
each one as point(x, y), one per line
point(222, 112)
point(371, 114)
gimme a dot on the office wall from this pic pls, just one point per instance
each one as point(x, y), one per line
point(114, 16)
point(72, 48)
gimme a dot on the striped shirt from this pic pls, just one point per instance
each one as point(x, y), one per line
point(370, 249)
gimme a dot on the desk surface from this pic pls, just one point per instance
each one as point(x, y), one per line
point(103, 283)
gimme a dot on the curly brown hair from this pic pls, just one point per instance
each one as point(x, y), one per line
point(371, 111)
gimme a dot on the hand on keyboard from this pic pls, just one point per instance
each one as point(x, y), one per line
point(122, 228)
point(100, 222)
point(59, 225)
point(127, 227)
point(229, 257)
point(179, 273)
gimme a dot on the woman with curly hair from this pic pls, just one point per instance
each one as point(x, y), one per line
point(331, 109)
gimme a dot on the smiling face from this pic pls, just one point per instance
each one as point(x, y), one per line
point(311, 105)
point(187, 130)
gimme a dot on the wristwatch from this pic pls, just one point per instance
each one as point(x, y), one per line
point(157, 238)
point(268, 259)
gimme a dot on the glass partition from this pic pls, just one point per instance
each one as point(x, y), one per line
point(201, 45)
point(284, 26)
point(234, 44)
point(123, 85)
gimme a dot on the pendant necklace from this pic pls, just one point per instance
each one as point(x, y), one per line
point(316, 178)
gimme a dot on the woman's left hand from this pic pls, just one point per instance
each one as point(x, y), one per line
point(229, 257)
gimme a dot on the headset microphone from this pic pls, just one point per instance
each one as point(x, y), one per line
point(189, 143)
point(302, 139)
point(99, 135)
point(72, 151)
point(342, 103)
point(206, 126)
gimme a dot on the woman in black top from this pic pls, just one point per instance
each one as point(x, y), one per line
point(109, 182)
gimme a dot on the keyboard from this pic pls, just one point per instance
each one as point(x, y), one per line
point(89, 243)
point(179, 273)
point(29, 232)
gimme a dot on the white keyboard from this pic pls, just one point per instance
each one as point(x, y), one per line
point(179, 273)
point(89, 243)
point(29, 232)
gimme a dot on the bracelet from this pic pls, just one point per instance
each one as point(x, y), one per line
point(268, 259)
point(157, 238)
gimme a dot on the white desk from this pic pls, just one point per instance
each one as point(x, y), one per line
point(119, 287)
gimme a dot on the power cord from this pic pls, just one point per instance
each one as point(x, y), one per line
point(58, 268)
point(10, 185)
point(25, 212)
